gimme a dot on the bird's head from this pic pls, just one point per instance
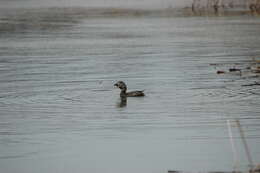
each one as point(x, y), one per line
point(121, 85)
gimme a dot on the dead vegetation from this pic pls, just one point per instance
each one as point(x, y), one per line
point(219, 7)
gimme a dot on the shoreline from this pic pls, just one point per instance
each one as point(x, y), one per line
point(124, 12)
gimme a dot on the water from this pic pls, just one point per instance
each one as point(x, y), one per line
point(61, 113)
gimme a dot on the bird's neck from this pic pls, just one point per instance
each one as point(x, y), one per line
point(123, 93)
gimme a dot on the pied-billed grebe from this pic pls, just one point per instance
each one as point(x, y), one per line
point(122, 86)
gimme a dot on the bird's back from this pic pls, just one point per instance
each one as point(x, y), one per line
point(135, 94)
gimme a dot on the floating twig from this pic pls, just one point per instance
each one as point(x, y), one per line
point(234, 151)
point(250, 160)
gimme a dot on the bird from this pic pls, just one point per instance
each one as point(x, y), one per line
point(123, 94)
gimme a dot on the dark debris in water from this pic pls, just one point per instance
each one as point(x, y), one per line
point(220, 72)
point(253, 84)
point(256, 169)
point(172, 171)
point(246, 70)
point(234, 69)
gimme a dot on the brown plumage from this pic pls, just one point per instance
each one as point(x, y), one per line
point(122, 86)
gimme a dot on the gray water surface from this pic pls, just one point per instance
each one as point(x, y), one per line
point(59, 111)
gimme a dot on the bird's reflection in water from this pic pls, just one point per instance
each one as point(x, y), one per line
point(122, 103)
